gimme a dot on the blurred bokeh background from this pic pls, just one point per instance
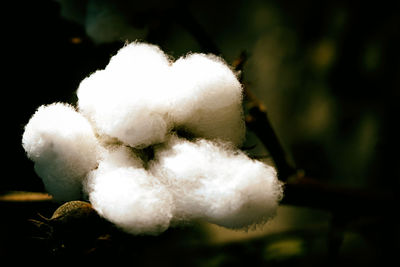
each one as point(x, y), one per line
point(327, 71)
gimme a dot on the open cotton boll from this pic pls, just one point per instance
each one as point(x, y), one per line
point(130, 197)
point(207, 98)
point(126, 100)
point(218, 184)
point(64, 148)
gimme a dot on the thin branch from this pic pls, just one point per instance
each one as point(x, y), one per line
point(23, 196)
point(257, 120)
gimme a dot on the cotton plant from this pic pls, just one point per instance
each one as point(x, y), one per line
point(154, 143)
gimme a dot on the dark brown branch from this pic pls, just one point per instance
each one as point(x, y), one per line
point(257, 120)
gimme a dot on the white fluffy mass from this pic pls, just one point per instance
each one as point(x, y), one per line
point(207, 98)
point(64, 148)
point(141, 95)
point(123, 148)
point(125, 100)
point(217, 183)
point(124, 193)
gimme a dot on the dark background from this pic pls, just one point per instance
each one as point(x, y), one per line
point(327, 71)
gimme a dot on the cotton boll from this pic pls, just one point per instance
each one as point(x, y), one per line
point(127, 99)
point(64, 148)
point(207, 98)
point(217, 183)
point(130, 198)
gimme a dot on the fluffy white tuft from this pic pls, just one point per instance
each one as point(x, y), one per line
point(129, 196)
point(64, 148)
point(125, 100)
point(207, 98)
point(140, 96)
point(216, 183)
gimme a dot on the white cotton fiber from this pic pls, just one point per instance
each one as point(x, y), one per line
point(64, 148)
point(140, 96)
point(126, 100)
point(117, 156)
point(207, 98)
point(218, 184)
point(128, 196)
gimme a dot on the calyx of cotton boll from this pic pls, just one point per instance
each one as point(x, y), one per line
point(64, 148)
point(141, 96)
point(217, 183)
